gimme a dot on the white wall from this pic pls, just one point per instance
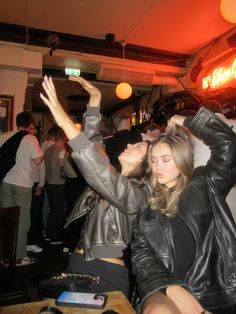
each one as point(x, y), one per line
point(13, 83)
point(16, 63)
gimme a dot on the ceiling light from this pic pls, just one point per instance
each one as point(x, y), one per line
point(123, 89)
point(78, 126)
point(228, 10)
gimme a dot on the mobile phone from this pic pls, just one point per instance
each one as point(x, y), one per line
point(82, 299)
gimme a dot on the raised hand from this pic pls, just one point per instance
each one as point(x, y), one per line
point(176, 120)
point(56, 109)
point(176, 301)
point(95, 94)
point(159, 303)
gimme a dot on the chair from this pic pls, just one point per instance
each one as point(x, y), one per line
point(13, 289)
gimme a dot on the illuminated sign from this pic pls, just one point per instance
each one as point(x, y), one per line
point(72, 71)
point(220, 76)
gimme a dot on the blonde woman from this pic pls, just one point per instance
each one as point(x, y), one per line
point(184, 247)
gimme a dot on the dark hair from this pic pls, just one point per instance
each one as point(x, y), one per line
point(188, 112)
point(59, 134)
point(152, 126)
point(56, 132)
point(140, 172)
point(118, 117)
point(212, 105)
point(24, 119)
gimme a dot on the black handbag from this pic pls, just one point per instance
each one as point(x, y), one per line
point(55, 285)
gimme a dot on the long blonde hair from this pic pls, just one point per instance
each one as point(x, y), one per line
point(180, 142)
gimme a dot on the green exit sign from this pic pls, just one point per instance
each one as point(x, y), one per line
point(72, 71)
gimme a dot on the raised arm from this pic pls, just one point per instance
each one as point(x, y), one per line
point(92, 116)
point(221, 140)
point(91, 158)
point(56, 109)
point(95, 94)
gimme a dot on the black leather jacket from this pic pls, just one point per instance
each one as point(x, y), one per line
point(212, 276)
point(108, 230)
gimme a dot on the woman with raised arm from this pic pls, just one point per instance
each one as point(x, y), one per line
point(184, 247)
point(110, 210)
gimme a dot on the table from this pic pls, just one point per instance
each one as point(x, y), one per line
point(116, 301)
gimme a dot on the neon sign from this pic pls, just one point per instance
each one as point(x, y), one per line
point(220, 76)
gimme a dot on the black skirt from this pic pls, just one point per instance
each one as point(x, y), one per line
point(113, 277)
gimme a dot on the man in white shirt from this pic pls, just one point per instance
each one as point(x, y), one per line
point(16, 187)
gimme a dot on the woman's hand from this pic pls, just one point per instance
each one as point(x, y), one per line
point(184, 300)
point(176, 120)
point(159, 303)
point(176, 301)
point(95, 94)
point(56, 109)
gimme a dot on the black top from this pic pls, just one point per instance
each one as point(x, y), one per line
point(184, 247)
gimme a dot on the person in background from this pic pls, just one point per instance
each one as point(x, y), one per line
point(202, 151)
point(50, 140)
point(107, 129)
point(36, 218)
point(112, 202)
point(151, 132)
point(74, 186)
point(54, 161)
point(123, 136)
point(184, 246)
point(16, 188)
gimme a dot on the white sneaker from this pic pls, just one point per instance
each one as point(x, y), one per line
point(65, 249)
point(26, 261)
point(34, 248)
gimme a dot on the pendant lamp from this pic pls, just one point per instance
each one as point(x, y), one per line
point(228, 10)
point(123, 89)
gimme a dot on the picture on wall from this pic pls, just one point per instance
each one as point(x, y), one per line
point(6, 113)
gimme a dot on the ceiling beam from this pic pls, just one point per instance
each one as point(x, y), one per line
point(37, 37)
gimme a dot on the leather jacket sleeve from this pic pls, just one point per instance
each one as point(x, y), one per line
point(91, 123)
point(119, 191)
point(94, 165)
point(149, 268)
point(215, 133)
